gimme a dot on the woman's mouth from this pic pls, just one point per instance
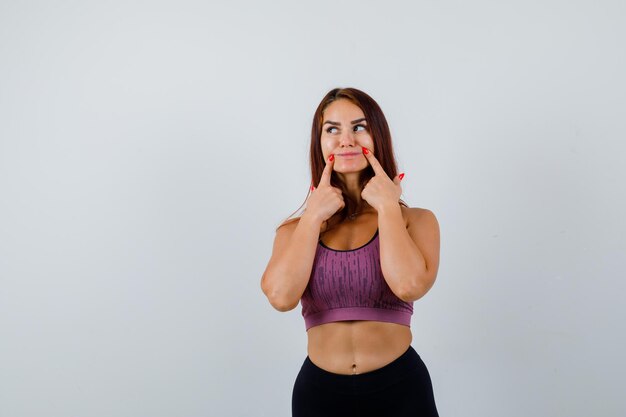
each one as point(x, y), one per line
point(349, 154)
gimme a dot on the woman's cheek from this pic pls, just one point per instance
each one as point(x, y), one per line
point(326, 150)
point(367, 142)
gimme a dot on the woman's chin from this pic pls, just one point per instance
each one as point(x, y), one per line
point(348, 168)
point(348, 171)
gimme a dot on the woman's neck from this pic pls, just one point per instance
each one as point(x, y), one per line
point(352, 183)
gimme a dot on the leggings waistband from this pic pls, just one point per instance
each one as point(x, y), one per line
point(376, 379)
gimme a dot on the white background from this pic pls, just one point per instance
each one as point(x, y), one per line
point(149, 149)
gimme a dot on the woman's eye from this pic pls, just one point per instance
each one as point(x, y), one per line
point(359, 128)
point(331, 129)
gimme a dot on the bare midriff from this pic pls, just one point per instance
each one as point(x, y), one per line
point(356, 347)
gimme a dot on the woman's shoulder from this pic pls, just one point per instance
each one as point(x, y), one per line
point(287, 227)
point(415, 211)
point(415, 215)
point(289, 223)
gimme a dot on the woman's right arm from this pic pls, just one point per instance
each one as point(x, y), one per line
point(288, 271)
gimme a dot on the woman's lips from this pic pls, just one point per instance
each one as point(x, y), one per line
point(349, 154)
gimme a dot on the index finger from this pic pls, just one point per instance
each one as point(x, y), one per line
point(328, 169)
point(376, 166)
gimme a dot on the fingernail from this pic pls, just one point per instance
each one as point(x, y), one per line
point(331, 157)
point(312, 188)
point(365, 151)
point(401, 176)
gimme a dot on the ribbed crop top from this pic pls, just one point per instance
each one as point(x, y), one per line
point(349, 285)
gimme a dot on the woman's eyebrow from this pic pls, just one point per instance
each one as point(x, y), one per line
point(330, 122)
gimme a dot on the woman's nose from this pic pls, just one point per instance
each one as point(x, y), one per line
point(347, 138)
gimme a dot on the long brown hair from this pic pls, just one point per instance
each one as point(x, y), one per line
point(381, 136)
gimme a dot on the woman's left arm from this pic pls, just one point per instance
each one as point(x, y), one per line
point(409, 250)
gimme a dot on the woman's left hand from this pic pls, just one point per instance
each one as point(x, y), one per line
point(380, 191)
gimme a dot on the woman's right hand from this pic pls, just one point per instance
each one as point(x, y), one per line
point(325, 200)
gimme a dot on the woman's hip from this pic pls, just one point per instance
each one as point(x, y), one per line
point(402, 384)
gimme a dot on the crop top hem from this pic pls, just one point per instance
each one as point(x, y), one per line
point(358, 313)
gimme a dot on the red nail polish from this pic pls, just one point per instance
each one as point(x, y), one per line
point(312, 188)
point(401, 176)
point(331, 157)
point(365, 151)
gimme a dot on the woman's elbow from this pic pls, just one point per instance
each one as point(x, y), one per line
point(277, 300)
point(281, 304)
point(416, 291)
point(411, 295)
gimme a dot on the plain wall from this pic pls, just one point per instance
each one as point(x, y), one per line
point(148, 150)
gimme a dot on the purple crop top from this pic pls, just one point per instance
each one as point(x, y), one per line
point(349, 285)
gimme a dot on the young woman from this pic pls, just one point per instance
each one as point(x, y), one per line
point(356, 259)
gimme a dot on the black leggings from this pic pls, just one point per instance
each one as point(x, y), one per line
point(398, 389)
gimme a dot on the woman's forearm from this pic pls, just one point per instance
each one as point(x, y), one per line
point(287, 276)
point(402, 263)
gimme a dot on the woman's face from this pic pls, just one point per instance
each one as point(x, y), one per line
point(344, 133)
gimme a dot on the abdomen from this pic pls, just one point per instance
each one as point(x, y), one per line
point(336, 347)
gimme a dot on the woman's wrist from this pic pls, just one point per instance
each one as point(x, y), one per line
point(392, 208)
point(311, 220)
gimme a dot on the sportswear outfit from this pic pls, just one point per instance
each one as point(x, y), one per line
point(349, 285)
